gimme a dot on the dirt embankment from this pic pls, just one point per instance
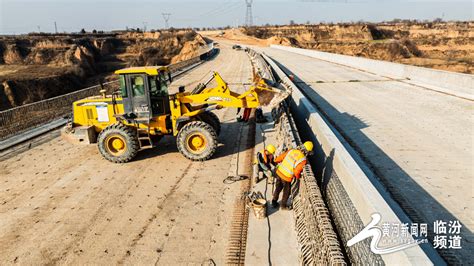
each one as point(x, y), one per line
point(447, 46)
point(33, 68)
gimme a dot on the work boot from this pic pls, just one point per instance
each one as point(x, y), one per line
point(274, 204)
point(284, 208)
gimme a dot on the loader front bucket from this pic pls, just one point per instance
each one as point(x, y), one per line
point(270, 93)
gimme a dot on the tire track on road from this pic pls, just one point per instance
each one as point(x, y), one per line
point(153, 217)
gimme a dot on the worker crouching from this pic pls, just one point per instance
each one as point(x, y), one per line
point(265, 161)
point(291, 164)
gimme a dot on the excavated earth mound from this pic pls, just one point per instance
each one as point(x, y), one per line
point(36, 67)
point(440, 45)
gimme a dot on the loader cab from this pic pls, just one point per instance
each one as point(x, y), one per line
point(144, 91)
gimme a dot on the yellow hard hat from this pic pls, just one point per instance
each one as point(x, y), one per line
point(271, 149)
point(308, 145)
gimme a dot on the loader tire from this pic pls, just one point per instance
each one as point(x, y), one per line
point(212, 120)
point(197, 141)
point(118, 143)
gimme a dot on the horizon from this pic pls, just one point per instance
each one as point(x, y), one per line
point(118, 15)
point(113, 31)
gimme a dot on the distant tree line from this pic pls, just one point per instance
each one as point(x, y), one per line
point(428, 23)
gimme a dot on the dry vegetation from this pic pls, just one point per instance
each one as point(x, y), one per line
point(440, 45)
point(35, 67)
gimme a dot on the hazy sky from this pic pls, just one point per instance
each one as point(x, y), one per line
point(20, 16)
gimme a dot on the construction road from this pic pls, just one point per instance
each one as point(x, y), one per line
point(417, 141)
point(65, 204)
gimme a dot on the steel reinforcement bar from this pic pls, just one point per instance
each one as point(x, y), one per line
point(28, 116)
point(318, 243)
point(260, 65)
point(316, 236)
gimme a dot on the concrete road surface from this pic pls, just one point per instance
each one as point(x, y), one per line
point(61, 203)
point(272, 240)
point(419, 142)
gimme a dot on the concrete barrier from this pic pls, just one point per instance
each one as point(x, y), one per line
point(456, 84)
point(353, 196)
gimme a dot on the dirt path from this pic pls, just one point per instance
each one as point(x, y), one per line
point(235, 36)
point(61, 203)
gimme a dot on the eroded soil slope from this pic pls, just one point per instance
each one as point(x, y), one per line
point(443, 45)
point(38, 67)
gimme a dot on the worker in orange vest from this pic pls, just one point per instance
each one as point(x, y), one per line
point(291, 164)
point(265, 160)
point(246, 115)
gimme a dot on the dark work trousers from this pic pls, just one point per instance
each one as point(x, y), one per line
point(282, 185)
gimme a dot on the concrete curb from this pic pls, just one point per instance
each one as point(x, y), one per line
point(267, 237)
point(32, 133)
point(362, 191)
point(451, 83)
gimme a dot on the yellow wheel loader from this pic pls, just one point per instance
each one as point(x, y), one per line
point(142, 111)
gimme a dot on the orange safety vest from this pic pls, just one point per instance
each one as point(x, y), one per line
point(287, 166)
point(264, 155)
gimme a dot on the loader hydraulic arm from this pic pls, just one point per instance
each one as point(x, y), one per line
point(222, 96)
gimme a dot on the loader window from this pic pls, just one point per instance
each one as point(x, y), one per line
point(138, 86)
point(153, 88)
point(163, 84)
point(123, 87)
point(159, 95)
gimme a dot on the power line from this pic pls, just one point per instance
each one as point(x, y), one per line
point(218, 11)
point(223, 11)
point(166, 17)
point(248, 15)
point(334, 1)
